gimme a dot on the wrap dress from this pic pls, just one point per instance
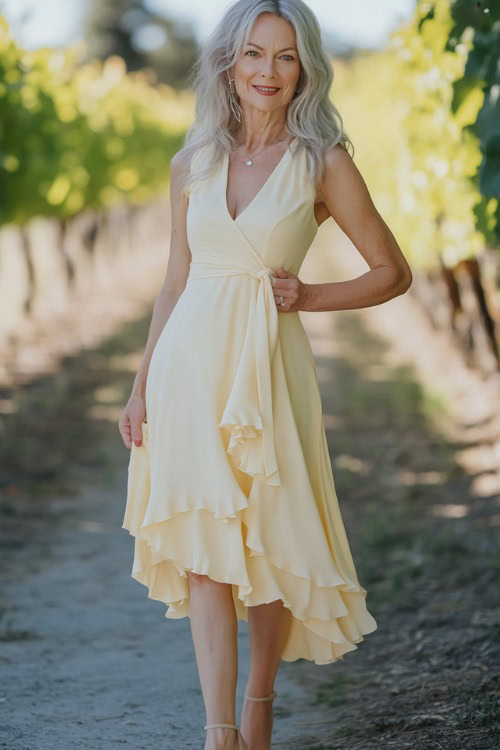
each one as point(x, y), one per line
point(233, 479)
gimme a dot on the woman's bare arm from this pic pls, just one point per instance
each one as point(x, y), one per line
point(173, 286)
point(177, 267)
point(346, 196)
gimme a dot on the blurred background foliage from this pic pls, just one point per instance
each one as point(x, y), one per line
point(79, 135)
point(423, 154)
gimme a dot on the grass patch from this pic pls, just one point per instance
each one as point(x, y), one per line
point(480, 707)
point(335, 693)
point(399, 555)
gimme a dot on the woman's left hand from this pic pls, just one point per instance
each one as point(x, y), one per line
point(293, 291)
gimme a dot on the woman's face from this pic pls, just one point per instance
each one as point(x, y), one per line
point(269, 59)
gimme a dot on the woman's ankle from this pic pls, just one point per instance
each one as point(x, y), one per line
point(221, 739)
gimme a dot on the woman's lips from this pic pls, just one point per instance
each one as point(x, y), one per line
point(266, 93)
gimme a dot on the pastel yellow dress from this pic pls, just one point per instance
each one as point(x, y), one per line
point(233, 479)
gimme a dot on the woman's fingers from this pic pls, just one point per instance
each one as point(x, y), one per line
point(130, 423)
point(125, 430)
point(280, 286)
point(279, 299)
point(287, 294)
point(290, 291)
point(130, 430)
point(136, 432)
point(283, 291)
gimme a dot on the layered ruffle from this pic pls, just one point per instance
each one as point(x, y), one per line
point(329, 609)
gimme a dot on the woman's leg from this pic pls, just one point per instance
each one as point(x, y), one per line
point(268, 627)
point(214, 630)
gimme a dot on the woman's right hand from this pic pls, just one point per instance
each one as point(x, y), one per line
point(130, 423)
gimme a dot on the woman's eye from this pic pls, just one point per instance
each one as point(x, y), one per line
point(253, 50)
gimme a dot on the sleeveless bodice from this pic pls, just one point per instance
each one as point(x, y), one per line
point(275, 229)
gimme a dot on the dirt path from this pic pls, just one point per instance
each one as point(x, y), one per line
point(88, 662)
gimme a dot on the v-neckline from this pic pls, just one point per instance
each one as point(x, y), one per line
point(261, 189)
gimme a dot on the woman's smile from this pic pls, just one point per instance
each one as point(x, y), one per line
point(266, 90)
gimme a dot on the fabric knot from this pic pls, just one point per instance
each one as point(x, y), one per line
point(261, 273)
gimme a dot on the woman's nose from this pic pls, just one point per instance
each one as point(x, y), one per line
point(267, 67)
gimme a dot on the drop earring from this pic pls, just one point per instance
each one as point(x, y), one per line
point(235, 107)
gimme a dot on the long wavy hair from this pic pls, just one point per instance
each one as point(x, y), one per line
point(311, 115)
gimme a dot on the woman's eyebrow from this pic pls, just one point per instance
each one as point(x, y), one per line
point(281, 50)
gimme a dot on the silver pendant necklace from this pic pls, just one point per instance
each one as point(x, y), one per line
point(249, 161)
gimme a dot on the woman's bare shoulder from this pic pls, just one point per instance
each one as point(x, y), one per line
point(338, 168)
point(335, 157)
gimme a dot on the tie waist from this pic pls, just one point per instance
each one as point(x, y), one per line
point(209, 269)
point(248, 413)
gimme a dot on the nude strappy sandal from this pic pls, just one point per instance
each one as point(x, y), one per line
point(233, 726)
point(270, 697)
point(229, 726)
point(213, 726)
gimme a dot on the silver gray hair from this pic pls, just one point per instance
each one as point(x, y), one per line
point(311, 115)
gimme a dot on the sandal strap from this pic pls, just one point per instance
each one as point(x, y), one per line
point(267, 697)
point(212, 726)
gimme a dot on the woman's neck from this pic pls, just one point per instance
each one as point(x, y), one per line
point(257, 141)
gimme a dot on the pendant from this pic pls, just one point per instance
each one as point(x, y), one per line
point(249, 162)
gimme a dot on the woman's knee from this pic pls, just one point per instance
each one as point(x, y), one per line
point(205, 582)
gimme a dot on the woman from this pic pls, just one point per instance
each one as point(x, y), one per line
point(231, 497)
